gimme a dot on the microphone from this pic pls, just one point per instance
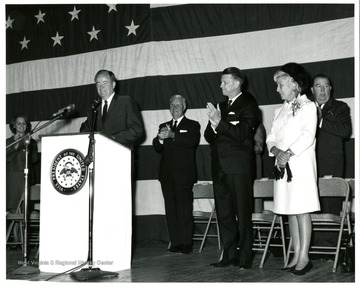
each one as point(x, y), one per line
point(67, 109)
point(95, 103)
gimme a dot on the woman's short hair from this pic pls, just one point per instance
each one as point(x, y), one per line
point(13, 123)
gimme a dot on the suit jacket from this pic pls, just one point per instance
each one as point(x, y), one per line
point(232, 146)
point(336, 127)
point(123, 121)
point(178, 154)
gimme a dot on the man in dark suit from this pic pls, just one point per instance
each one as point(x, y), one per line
point(117, 116)
point(177, 141)
point(334, 126)
point(230, 132)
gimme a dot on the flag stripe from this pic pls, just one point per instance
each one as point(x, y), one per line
point(191, 56)
point(198, 20)
point(153, 93)
point(152, 120)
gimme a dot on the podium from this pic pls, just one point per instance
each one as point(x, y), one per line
point(64, 216)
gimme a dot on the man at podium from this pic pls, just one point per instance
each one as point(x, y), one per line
point(117, 116)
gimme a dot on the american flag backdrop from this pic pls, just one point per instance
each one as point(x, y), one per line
point(156, 51)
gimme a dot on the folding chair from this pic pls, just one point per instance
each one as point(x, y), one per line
point(351, 182)
point(205, 191)
point(266, 224)
point(33, 218)
point(331, 187)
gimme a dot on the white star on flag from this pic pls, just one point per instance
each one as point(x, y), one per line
point(132, 28)
point(40, 17)
point(57, 39)
point(24, 43)
point(74, 14)
point(93, 33)
point(9, 22)
point(112, 7)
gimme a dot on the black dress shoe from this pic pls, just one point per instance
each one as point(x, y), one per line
point(175, 249)
point(186, 249)
point(223, 263)
point(303, 271)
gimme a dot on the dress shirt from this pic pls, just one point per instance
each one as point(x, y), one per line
point(109, 99)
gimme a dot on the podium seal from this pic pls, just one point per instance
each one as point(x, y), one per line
point(68, 171)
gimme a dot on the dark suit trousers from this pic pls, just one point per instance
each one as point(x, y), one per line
point(234, 202)
point(179, 211)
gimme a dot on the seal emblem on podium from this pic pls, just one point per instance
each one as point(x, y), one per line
point(68, 171)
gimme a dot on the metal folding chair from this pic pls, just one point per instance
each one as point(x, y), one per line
point(205, 191)
point(267, 225)
point(338, 223)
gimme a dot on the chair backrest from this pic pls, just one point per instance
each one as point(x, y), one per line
point(203, 190)
point(34, 193)
point(264, 188)
point(351, 182)
point(333, 187)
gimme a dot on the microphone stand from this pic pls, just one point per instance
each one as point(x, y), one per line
point(90, 273)
point(26, 269)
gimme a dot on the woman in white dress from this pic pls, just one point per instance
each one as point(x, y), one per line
point(292, 142)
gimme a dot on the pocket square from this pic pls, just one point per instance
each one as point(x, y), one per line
point(234, 122)
point(231, 113)
point(183, 131)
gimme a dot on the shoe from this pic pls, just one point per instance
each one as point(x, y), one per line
point(289, 269)
point(186, 249)
point(175, 249)
point(224, 263)
point(303, 271)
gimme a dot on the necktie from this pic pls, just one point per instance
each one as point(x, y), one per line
point(319, 112)
point(229, 104)
point(104, 112)
point(174, 126)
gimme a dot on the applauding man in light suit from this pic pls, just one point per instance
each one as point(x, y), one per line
point(177, 141)
point(230, 132)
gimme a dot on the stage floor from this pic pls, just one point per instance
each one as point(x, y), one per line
point(151, 263)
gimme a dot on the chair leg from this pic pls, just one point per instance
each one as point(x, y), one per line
point(12, 228)
point(206, 231)
point(8, 232)
point(267, 242)
point(218, 234)
point(339, 242)
point(288, 252)
point(283, 239)
point(37, 252)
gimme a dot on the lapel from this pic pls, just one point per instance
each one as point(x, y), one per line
point(233, 108)
point(112, 104)
point(110, 108)
point(181, 124)
point(327, 107)
point(236, 104)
